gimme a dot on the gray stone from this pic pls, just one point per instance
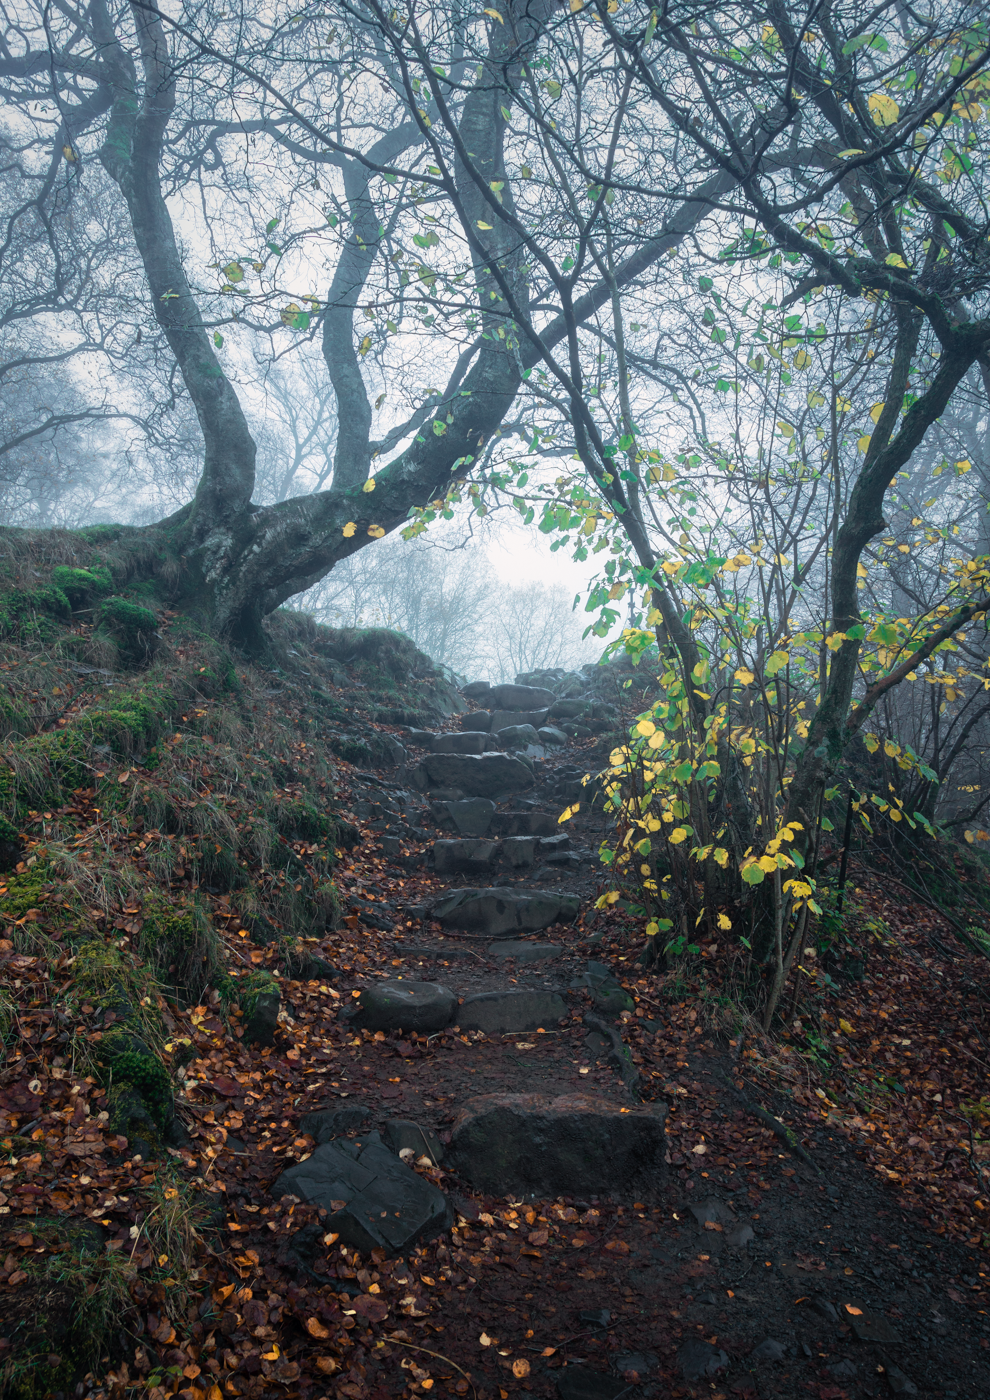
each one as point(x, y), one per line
point(474, 690)
point(509, 719)
point(519, 697)
point(768, 1350)
point(698, 1359)
point(521, 736)
point(261, 1025)
point(372, 1198)
point(845, 1370)
point(595, 1317)
point(420, 738)
point(575, 1145)
point(467, 741)
point(824, 1309)
point(640, 1363)
point(576, 1382)
point(520, 851)
point(475, 775)
point(524, 823)
point(740, 1236)
point(393, 755)
point(549, 845)
point(712, 1211)
point(470, 857)
point(899, 1383)
point(477, 720)
point(525, 952)
point(520, 1010)
point(550, 737)
point(391, 846)
point(402, 1135)
point(505, 910)
point(472, 817)
point(323, 1124)
point(406, 1006)
point(568, 709)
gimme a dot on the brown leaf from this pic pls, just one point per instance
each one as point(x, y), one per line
point(228, 1087)
point(316, 1329)
point(370, 1308)
point(520, 1367)
point(18, 1277)
point(538, 1236)
point(617, 1247)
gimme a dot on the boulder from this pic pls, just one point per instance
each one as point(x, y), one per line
point(517, 1010)
point(523, 952)
point(475, 775)
point(406, 1006)
point(477, 719)
point(519, 697)
point(507, 719)
point(559, 842)
point(573, 1145)
point(464, 857)
point(373, 1200)
point(324, 1124)
point(472, 817)
point(261, 1025)
point(568, 709)
point(521, 736)
point(698, 1359)
point(403, 1135)
point(467, 741)
point(474, 690)
point(550, 737)
point(420, 738)
point(501, 910)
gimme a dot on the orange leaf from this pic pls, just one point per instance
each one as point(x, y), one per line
point(856, 1312)
point(316, 1329)
point(520, 1368)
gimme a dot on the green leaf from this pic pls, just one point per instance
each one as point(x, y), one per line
point(272, 224)
point(753, 875)
point(217, 339)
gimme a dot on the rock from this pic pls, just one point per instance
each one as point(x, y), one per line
point(510, 719)
point(468, 741)
point(699, 1359)
point(867, 1326)
point(578, 1382)
point(464, 857)
point(403, 1135)
point(596, 1044)
point(524, 823)
point(520, 1010)
point(261, 1025)
point(309, 967)
point(480, 720)
point(638, 1363)
point(374, 1200)
point(845, 1370)
point(740, 1236)
point(323, 1124)
point(567, 709)
point(519, 697)
point(406, 1006)
point(392, 754)
point(824, 1309)
point(391, 846)
point(474, 690)
point(420, 738)
point(550, 845)
point(897, 1380)
point(575, 1145)
point(768, 1350)
point(504, 910)
point(598, 1318)
point(472, 817)
point(475, 775)
point(550, 737)
point(520, 851)
point(521, 736)
point(712, 1211)
point(525, 952)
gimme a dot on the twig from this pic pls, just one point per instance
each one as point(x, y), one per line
point(775, 1125)
point(396, 1341)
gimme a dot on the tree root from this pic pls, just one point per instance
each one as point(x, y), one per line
point(779, 1129)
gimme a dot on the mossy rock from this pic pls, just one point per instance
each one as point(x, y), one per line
point(11, 848)
point(132, 627)
point(30, 615)
point(180, 946)
point(81, 586)
point(300, 821)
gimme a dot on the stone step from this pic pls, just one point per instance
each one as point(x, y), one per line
point(501, 909)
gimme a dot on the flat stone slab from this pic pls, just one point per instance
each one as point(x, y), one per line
point(469, 857)
point(406, 1006)
point(512, 719)
point(404, 1136)
point(573, 1145)
point(475, 775)
point(525, 823)
point(468, 741)
point(520, 1010)
point(477, 719)
point(520, 851)
point(472, 817)
point(519, 697)
point(525, 952)
point(328, 1123)
point(373, 1200)
point(500, 910)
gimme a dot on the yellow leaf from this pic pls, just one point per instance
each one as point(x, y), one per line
point(767, 863)
point(495, 15)
point(963, 467)
point(376, 531)
point(575, 6)
point(720, 856)
point(485, 1340)
point(700, 1149)
point(349, 529)
point(861, 571)
point(365, 345)
point(69, 153)
point(863, 443)
point(872, 742)
point(482, 224)
point(815, 399)
point(744, 676)
point(679, 834)
point(652, 929)
point(369, 485)
point(801, 359)
point(646, 727)
point(876, 411)
point(845, 1027)
point(724, 922)
point(884, 109)
point(970, 836)
point(835, 641)
point(785, 428)
point(894, 260)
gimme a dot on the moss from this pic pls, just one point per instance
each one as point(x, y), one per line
point(125, 1059)
point(15, 720)
point(132, 627)
point(29, 614)
point(255, 984)
point(180, 946)
point(7, 1012)
point(81, 586)
point(300, 821)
